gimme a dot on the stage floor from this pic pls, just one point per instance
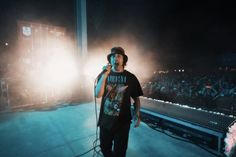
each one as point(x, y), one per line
point(70, 130)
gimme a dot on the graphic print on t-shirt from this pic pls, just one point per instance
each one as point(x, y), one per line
point(113, 99)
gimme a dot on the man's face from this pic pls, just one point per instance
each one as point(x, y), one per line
point(117, 59)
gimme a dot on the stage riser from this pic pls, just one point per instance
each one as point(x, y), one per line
point(203, 128)
point(206, 140)
point(200, 118)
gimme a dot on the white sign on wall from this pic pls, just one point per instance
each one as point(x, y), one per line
point(26, 31)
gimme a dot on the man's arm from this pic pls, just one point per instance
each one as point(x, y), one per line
point(137, 107)
point(100, 87)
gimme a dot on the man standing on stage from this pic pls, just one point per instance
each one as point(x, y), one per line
point(117, 86)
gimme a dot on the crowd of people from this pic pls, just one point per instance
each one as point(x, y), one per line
point(213, 91)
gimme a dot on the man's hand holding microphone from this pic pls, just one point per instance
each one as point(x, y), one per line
point(106, 69)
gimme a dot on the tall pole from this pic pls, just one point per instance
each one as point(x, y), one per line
point(81, 25)
point(81, 36)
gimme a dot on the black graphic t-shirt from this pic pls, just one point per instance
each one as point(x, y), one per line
point(115, 106)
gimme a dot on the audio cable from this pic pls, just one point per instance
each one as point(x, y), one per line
point(96, 147)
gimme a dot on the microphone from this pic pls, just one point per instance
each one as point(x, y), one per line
point(104, 70)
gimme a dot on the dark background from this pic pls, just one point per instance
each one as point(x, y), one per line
point(192, 34)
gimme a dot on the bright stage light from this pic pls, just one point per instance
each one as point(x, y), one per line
point(59, 71)
point(93, 65)
point(54, 80)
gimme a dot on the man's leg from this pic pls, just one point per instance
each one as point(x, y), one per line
point(106, 137)
point(121, 140)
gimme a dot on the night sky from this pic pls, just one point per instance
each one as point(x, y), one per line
point(186, 32)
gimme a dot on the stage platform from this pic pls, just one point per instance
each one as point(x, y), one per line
point(69, 130)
